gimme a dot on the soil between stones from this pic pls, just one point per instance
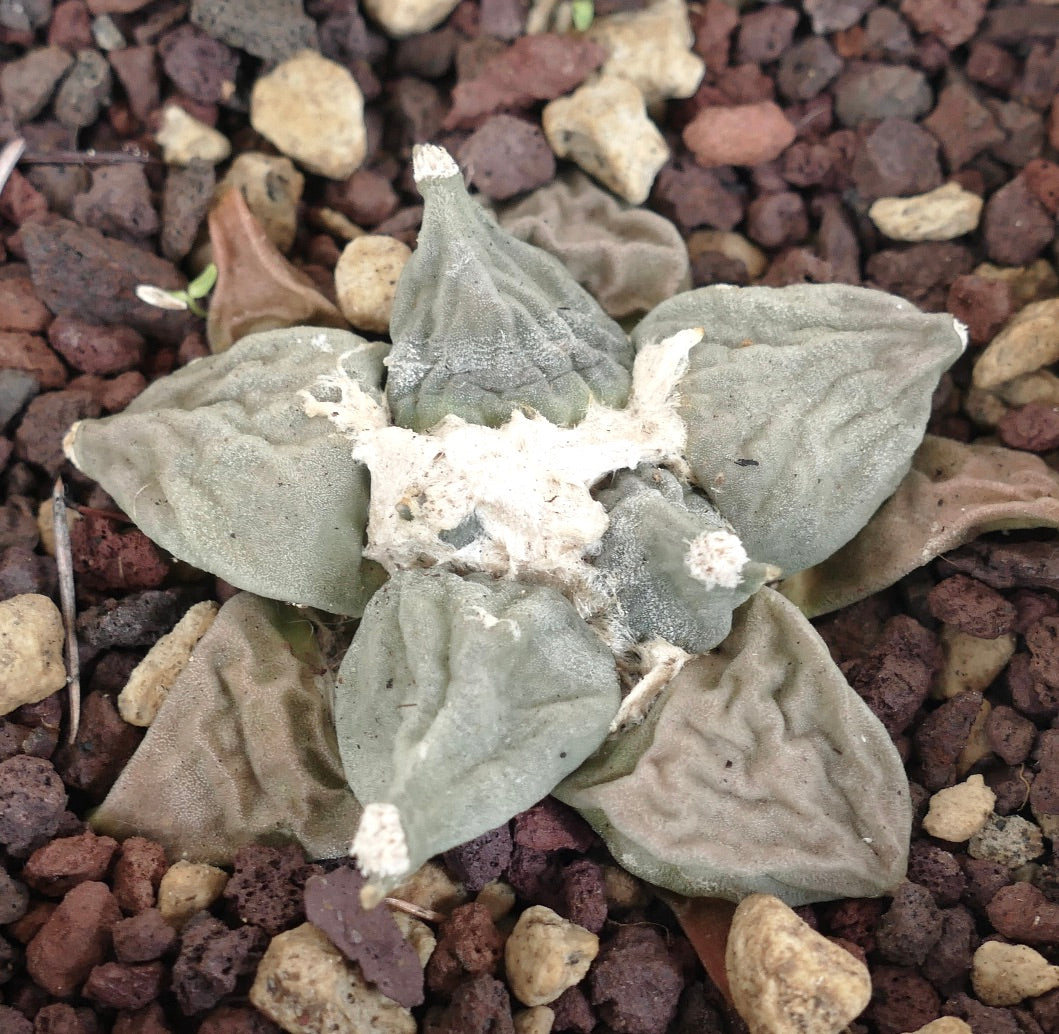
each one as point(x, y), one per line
point(887, 100)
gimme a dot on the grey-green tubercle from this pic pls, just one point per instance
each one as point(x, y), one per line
point(558, 540)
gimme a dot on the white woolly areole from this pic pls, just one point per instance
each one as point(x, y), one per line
point(429, 161)
point(380, 844)
point(526, 484)
point(716, 558)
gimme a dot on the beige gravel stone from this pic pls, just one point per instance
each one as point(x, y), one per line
point(46, 524)
point(188, 887)
point(945, 1025)
point(1032, 283)
point(1007, 840)
point(153, 677)
point(977, 746)
point(417, 933)
point(1027, 342)
point(958, 812)
point(305, 984)
point(939, 215)
point(546, 954)
point(1040, 386)
point(970, 662)
point(313, 111)
point(1005, 974)
point(31, 650)
point(623, 890)
point(366, 280)
point(652, 49)
point(430, 886)
point(400, 18)
point(498, 898)
point(538, 1020)
point(730, 244)
point(604, 128)
point(272, 188)
point(785, 978)
point(183, 138)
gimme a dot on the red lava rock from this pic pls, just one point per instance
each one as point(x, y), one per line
point(22, 351)
point(1042, 179)
point(202, 67)
point(137, 72)
point(1009, 565)
point(991, 66)
point(139, 869)
point(1023, 132)
point(468, 944)
point(693, 196)
point(938, 870)
point(573, 1012)
point(506, 156)
point(951, 21)
point(742, 134)
point(121, 986)
point(807, 68)
point(480, 1003)
point(806, 164)
point(1011, 736)
point(535, 876)
point(68, 262)
point(143, 937)
point(118, 203)
point(897, 158)
point(1031, 607)
point(18, 524)
point(233, 1019)
point(948, 964)
point(20, 202)
point(921, 273)
point(14, 898)
point(1043, 642)
point(84, 90)
point(74, 939)
point(13, 1022)
point(896, 676)
point(910, 927)
point(267, 886)
point(902, 1000)
point(20, 308)
point(1030, 695)
point(1033, 427)
point(369, 937)
point(111, 560)
point(139, 619)
point(797, 266)
point(584, 894)
point(95, 347)
point(634, 984)
point(482, 859)
point(103, 746)
point(855, 920)
point(431, 54)
point(942, 735)
point(765, 34)
point(62, 864)
point(1017, 227)
point(982, 303)
point(47, 419)
point(71, 26)
point(778, 220)
point(540, 67)
point(984, 879)
point(745, 84)
point(1044, 793)
point(868, 90)
point(713, 24)
point(32, 800)
point(148, 1020)
point(1022, 913)
point(964, 126)
point(211, 960)
point(1040, 77)
point(972, 607)
point(551, 826)
point(366, 197)
point(110, 393)
point(979, 1017)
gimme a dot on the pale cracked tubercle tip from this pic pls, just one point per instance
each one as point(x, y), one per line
point(68, 443)
point(430, 161)
point(716, 558)
point(380, 845)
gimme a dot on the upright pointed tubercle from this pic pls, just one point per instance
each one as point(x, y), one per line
point(429, 161)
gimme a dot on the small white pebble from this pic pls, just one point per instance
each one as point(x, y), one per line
point(546, 954)
point(31, 650)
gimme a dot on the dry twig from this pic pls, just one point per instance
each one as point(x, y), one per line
point(65, 566)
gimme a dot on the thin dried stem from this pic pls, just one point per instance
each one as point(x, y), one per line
point(88, 158)
point(65, 566)
point(9, 157)
point(428, 915)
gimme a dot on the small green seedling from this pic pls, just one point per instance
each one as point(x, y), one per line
point(583, 13)
point(179, 300)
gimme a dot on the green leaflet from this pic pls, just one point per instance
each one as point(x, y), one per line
point(803, 406)
point(219, 464)
point(483, 324)
point(759, 771)
point(462, 702)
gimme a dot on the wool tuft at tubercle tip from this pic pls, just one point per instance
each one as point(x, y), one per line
point(430, 161)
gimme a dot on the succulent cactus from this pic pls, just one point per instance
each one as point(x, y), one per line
point(563, 516)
